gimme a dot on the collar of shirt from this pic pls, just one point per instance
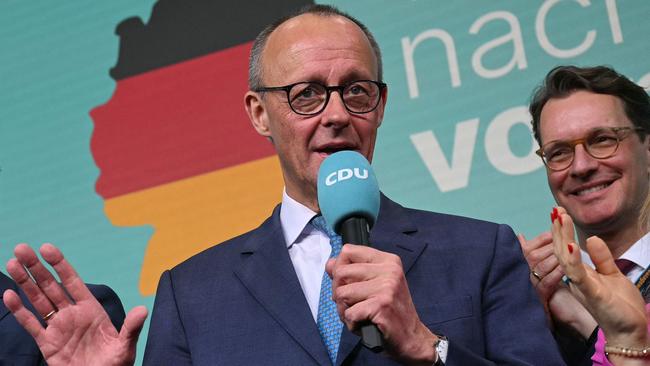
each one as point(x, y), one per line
point(639, 253)
point(309, 249)
point(294, 217)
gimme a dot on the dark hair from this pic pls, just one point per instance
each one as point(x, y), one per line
point(562, 81)
point(255, 61)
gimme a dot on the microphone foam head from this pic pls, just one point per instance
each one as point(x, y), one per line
point(347, 187)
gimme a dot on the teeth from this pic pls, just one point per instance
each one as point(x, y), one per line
point(592, 189)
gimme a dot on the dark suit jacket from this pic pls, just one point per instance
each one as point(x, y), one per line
point(240, 302)
point(17, 347)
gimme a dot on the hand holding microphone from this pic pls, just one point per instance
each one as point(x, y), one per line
point(369, 285)
point(348, 196)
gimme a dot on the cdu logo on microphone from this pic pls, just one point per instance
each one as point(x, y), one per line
point(347, 186)
point(345, 174)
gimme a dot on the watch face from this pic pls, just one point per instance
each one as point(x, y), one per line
point(442, 346)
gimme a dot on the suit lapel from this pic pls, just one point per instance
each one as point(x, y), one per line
point(269, 276)
point(392, 233)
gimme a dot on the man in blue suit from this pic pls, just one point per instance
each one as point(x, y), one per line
point(18, 347)
point(430, 281)
point(443, 290)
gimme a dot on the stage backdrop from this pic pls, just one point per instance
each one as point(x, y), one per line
point(123, 138)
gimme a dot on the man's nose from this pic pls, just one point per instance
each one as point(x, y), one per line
point(583, 163)
point(335, 113)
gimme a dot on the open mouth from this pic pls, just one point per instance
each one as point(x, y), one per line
point(329, 150)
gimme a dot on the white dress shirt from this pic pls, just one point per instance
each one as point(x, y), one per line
point(308, 247)
point(639, 253)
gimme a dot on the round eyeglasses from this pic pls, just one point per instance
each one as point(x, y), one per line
point(600, 143)
point(310, 98)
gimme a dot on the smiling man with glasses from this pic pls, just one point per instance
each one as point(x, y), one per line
point(592, 125)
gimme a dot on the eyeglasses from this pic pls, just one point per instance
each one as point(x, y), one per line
point(310, 98)
point(600, 143)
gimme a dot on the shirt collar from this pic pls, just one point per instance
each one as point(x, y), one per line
point(639, 253)
point(294, 217)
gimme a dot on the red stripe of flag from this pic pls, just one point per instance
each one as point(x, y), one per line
point(175, 122)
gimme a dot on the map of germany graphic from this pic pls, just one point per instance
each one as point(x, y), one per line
point(173, 144)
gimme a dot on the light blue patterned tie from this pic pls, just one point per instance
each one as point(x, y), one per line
point(329, 323)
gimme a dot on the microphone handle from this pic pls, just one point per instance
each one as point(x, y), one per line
point(355, 230)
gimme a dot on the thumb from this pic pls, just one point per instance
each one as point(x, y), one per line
point(329, 266)
point(133, 324)
point(601, 256)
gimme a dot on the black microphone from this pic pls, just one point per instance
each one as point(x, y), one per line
point(348, 196)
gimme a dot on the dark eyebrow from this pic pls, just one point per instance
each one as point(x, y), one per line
point(588, 134)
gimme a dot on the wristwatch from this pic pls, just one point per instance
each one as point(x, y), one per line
point(441, 346)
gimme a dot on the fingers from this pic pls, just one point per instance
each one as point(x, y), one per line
point(35, 294)
point(69, 277)
point(565, 247)
point(363, 279)
point(351, 253)
point(547, 265)
point(133, 324)
point(537, 250)
point(545, 271)
point(549, 283)
point(357, 264)
point(44, 291)
point(537, 242)
point(343, 274)
point(356, 315)
point(376, 304)
point(46, 282)
point(601, 256)
point(354, 292)
point(24, 317)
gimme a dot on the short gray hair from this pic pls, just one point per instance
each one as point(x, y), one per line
point(255, 61)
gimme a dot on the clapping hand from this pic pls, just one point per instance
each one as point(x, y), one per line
point(607, 294)
point(78, 330)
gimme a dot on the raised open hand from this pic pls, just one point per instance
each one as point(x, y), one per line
point(608, 295)
point(78, 330)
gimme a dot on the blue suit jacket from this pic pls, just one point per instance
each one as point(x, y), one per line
point(240, 302)
point(17, 347)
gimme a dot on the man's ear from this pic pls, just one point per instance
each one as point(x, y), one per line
point(256, 111)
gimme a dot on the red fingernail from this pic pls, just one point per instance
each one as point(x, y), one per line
point(552, 218)
point(570, 246)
